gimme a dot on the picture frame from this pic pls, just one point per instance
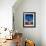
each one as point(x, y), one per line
point(29, 19)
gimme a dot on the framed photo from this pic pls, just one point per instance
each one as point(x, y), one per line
point(29, 19)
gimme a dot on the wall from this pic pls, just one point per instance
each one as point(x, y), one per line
point(6, 16)
point(28, 6)
point(6, 13)
point(43, 22)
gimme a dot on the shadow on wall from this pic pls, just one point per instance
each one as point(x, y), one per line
point(28, 6)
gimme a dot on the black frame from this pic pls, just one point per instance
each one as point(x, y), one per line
point(33, 13)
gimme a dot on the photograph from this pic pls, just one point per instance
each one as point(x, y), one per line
point(29, 19)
